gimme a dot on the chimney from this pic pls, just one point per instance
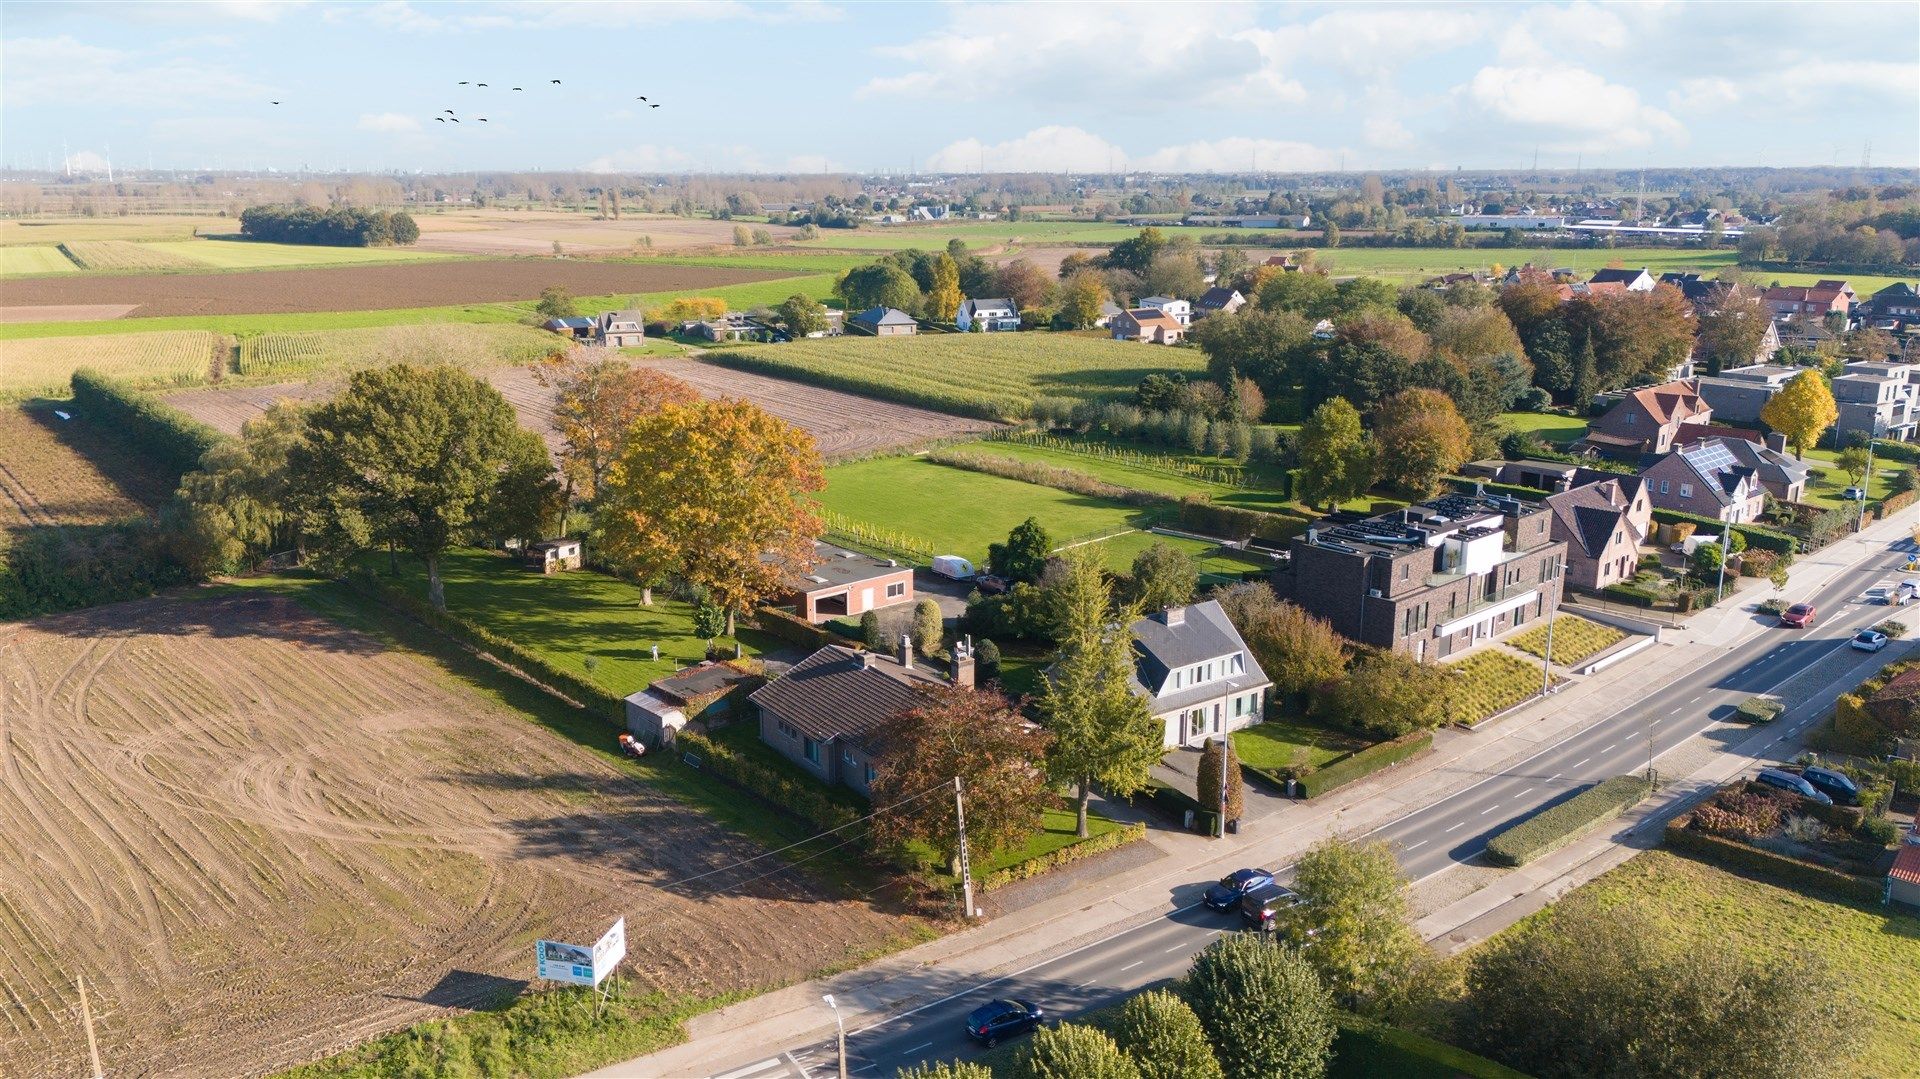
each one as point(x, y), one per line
point(1777, 442)
point(962, 671)
point(906, 650)
point(1175, 616)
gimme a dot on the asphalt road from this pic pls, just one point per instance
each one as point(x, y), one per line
point(1431, 840)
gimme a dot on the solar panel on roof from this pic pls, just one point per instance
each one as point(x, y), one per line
point(1710, 456)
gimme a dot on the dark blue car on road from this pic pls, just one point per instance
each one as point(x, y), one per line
point(999, 1019)
point(1225, 895)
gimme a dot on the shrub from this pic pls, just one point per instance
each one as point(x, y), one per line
point(1364, 763)
point(1759, 710)
point(1263, 1007)
point(1878, 830)
point(1732, 854)
point(1073, 1051)
point(1568, 821)
point(1163, 1036)
point(1053, 859)
point(1893, 628)
point(796, 795)
point(150, 427)
point(1765, 539)
point(1739, 814)
point(1775, 606)
point(1632, 594)
point(795, 630)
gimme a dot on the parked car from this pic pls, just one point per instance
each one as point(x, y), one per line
point(1854, 494)
point(1868, 640)
point(1261, 906)
point(999, 1019)
point(1799, 616)
point(1879, 594)
point(1833, 783)
point(989, 585)
point(1787, 781)
point(1226, 894)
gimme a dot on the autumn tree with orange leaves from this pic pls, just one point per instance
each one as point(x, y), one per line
point(596, 399)
point(980, 737)
point(715, 494)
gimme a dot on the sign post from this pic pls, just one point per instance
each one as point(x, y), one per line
point(573, 964)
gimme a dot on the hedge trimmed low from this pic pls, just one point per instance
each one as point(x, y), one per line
point(1766, 539)
point(1364, 763)
point(800, 797)
point(1365, 1048)
point(1054, 859)
point(794, 630)
point(1759, 710)
point(1739, 857)
point(1175, 804)
point(1568, 821)
point(158, 430)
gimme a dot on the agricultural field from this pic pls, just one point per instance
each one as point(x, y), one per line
point(1129, 471)
point(236, 254)
point(1876, 948)
point(294, 355)
point(356, 288)
point(66, 472)
point(34, 260)
point(134, 227)
point(120, 255)
point(534, 232)
point(1423, 262)
point(45, 366)
point(992, 375)
point(283, 836)
point(973, 233)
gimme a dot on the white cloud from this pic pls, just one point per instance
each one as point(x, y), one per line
point(644, 158)
point(1386, 132)
point(1704, 94)
point(61, 70)
point(1571, 107)
point(390, 122)
point(1071, 149)
point(1820, 81)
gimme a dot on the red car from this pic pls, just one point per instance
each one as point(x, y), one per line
point(1799, 616)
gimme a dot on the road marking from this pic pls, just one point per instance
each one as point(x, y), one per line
point(751, 1069)
point(1581, 761)
point(1084, 984)
point(1608, 748)
point(799, 1067)
point(1175, 948)
point(1216, 932)
point(1490, 809)
point(1551, 778)
point(915, 1049)
point(1677, 712)
point(1458, 826)
point(1696, 697)
point(1529, 790)
point(1131, 965)
point(1415, 846)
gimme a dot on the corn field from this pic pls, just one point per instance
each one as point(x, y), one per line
point(43, 366)
point(123, 255)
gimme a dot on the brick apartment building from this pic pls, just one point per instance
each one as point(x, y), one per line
point(1434, 579)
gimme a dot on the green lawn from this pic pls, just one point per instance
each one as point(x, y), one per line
point(569, 617)
point(1877, 949)
point(1124, 474)
point(956, 511)
point(993, 375)
point(1489, 681)
point(1428, 261)
point(1283, 743)
point(1119, 552)
point(1826, 492)
point(1555, 430)
point(34, 260)
point(1574, 639)
point(934, 236)
point(1057, 828)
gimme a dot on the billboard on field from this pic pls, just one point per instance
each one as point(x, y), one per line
point(574, 964)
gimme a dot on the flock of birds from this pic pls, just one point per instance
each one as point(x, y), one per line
point(451, 118)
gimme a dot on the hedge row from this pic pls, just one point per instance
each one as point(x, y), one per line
point(157, 430)
point(801, 797)
point(589, 695)
point(1766, 539)
point(1631, 594)
point(1568, 821)
point(1201, 515)
point(1738, 856)
point(1175, 804)
point(1364, 763)
point(1364, 1049)
point(1054, 859)
point(1893, 503)
point(795, 630)
point(1759, 710)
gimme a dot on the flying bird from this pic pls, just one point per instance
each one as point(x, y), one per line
point(442, 119)
point(479, 84)
point(456, 119)
point(516, 88)
point(556, 82)
point(463, 82)
point(449, 112)
point(483, 119)
point(642, 97)
point(651, 105)
point(273, 103)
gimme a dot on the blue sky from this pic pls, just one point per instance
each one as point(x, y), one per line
point(879, 86)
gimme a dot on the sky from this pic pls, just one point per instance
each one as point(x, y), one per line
point(817, 85)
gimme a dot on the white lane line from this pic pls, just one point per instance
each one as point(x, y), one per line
point(751, 1069)
point(1551, 778)
point(1084, 984)
point(1415, 846)
point(1678, 712)
point(1216, 932)
point(1176, 948)
point(799, 1067)
point(915, 1049)
point(1490, 809)
point(1131, 965)
point(1529, 790)
point(1696, 697)
point(1458, 826)
point(1581, 761)
point(1608, 748)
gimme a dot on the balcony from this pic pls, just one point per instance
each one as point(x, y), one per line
point(1480, 609)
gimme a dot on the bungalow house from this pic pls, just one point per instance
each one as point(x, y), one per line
point(1603, 524)
point(1147, 326)
point(1282, 262)
point(1628, 280)
point(1218, 300)
point(827, 712)
point(661, 711)
point(552, 556)
point(993, 315)
point(1179, 310)
point(1803, 331)
point(1816, 300)
point(1708, 480)
point(1903, 876)
point(884, 322)
point(1737, 394)
point(1898, 303)
point(1197, 674)
point(621, 329)
point(845, 584)
point(1645, 420)
point(1108, 310)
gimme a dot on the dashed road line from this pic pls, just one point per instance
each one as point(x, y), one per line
point(1131, 965)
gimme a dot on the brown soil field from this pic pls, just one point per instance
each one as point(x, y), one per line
point(367, 288)
point(844, 424)
point(261, 837)
point(482, 232)
point(55, 471)
point(66, 312)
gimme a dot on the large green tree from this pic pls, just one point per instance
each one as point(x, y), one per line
point(1336, 457)
point(407, 456)
point(1353, 913)
point(1732, 327)
point(239, 504)
point(1263, 1007)
point(1422, 438)
point(1264, 345)
point(1073, 1051)
point(1298, 650)
point(1164, 1038)
point(1023, 558)
point(802, 314)
point(1385, 695)
point(1102, 731)
point(1163, 576)
point(879, 285)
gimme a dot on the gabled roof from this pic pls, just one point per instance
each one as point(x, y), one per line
point(839, 693)
point(1899, 290)
point(987, 304)
point(1204, 633)
point(1613, 275)
point(883, 316)
point(1147, 316)
point(1158, 301)
point(1593, 512)
point(1218, 297)
point(1906, 864)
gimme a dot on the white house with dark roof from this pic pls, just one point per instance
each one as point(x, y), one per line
point(1198, 676)
point(993, 315)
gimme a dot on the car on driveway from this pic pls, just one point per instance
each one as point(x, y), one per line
point(988, 584)
point(999, 1019)
point(1833, 783)
point(1854, 494)
point(1226, 894)
point(1799, 616)
point(1784, 780)
point(1868, 640)
point(1260, 907)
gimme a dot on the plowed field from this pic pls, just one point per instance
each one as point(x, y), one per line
point(368, 288)
point(261, 836)
point(844, 424)
point(64, 472)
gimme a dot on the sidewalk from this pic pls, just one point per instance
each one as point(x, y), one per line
point(761, 1027)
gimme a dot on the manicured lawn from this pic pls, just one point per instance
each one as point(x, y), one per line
point(1120, 551)
point(1555, 430)
point(569, 617)
point(1282, 743)
point(956, 511)
point(1826, 492)
point(1489, 681)
point(1878, 949)
point(1574, 639)
point(1057, 830)
point(1128, 474)
point(932, 237)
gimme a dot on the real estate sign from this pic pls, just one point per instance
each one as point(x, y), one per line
point(575, 965)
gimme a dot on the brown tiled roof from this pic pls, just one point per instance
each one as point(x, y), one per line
point(1906, 864)
point(1147, 316)
point(838, 692)
point(1670, 401)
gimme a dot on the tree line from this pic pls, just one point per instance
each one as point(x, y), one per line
point(339, 226)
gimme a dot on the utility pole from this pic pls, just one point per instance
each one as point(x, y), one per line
point(1726, 534)
point(86, 1016)
point(1866, 482)
point(966, 865)
point(1546, 662)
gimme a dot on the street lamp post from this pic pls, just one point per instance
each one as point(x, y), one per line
point(1546, 661)
point(1866, 482)
point(1726, 536)
point(842, 1027)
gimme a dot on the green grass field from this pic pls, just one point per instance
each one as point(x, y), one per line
point(1878, 950)
point(992, 375)
point(1282, 743)
point(1119, 552)
point(1427, 261)
point(1826, 492)
point(570, 617)
point(974, 233)
point(1124, 474)
point(18, 261)
point(1553, 429)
